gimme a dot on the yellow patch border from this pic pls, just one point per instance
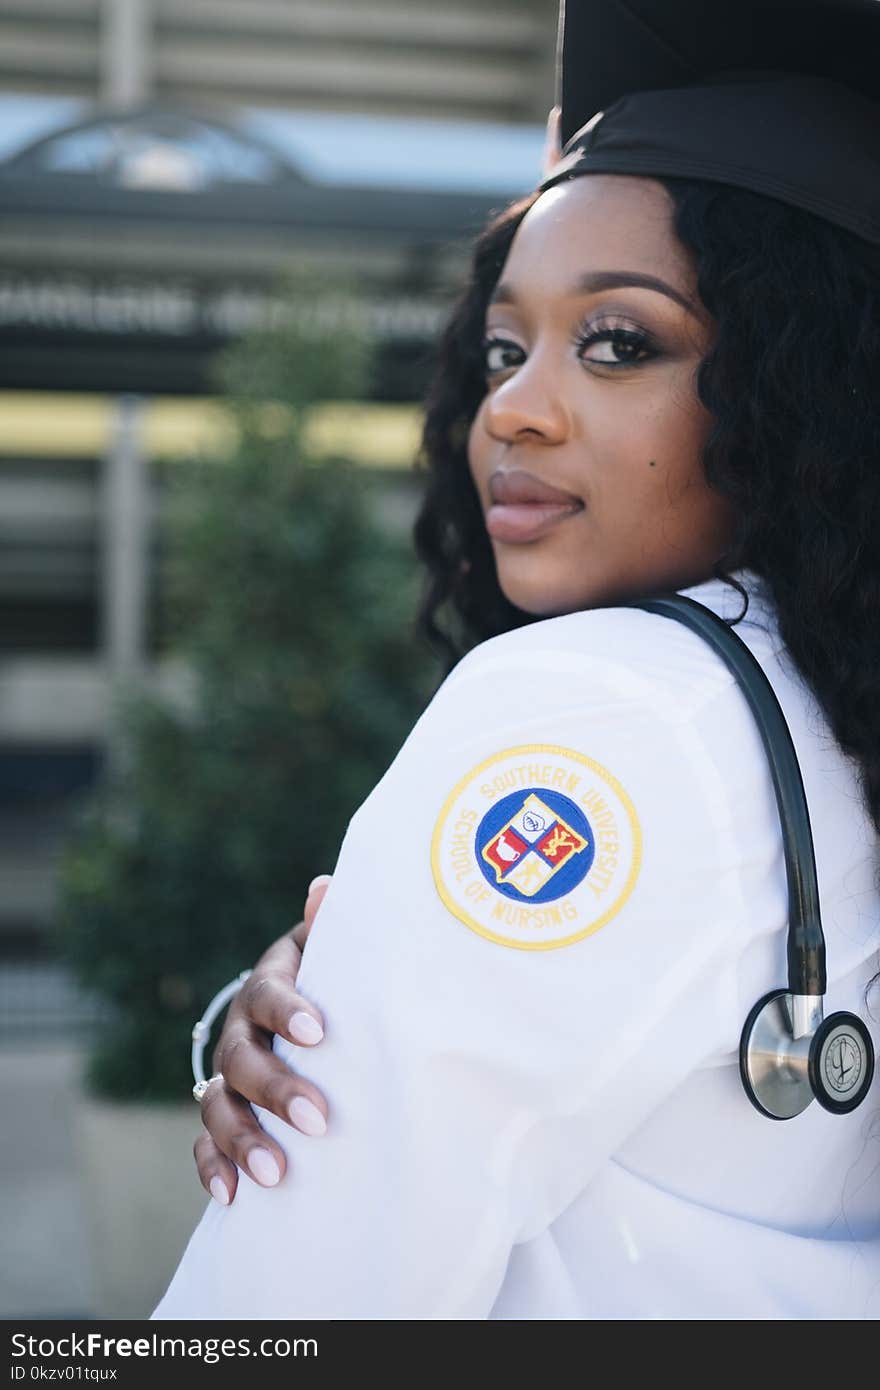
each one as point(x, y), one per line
point(518, 751)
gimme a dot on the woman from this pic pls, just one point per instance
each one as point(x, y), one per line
point(651, 383)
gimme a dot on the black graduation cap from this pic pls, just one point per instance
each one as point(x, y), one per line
point(780, 96)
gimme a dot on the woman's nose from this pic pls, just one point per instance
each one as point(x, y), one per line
point(528, 403)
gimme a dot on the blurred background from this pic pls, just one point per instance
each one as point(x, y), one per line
point(229, 235)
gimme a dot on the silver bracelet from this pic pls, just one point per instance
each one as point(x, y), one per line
point(202, 1031)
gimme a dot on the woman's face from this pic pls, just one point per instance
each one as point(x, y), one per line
point(586, 451)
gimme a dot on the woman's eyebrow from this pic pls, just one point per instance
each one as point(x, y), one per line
point(597, 280)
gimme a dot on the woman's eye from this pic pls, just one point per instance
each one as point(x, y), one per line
point(500, 354)
point(614, 347)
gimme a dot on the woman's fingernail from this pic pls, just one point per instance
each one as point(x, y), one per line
point(307, 1117)
point(264, 1167)
point(219, 1191)
point(304, 1028)
point(319, 881)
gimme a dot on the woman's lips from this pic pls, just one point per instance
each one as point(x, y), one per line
point(524, 507)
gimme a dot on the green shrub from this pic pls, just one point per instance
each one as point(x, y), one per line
point(293, 605)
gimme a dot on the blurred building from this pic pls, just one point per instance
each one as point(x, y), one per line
point(162, 162)
point(491, 61)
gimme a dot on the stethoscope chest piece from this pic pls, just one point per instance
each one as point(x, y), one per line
point(785, 1065)
point(841, 1062)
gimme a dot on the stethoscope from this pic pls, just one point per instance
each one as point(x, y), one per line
point(789, 1053)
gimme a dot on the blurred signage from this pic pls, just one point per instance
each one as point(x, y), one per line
point(44, 316)
point(181, 308)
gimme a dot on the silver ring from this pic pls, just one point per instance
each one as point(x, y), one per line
point(202, 1029)
point(201, 1087)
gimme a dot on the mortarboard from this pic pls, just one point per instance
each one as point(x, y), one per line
point(778, 96)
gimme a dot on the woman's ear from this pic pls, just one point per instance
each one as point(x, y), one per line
point(552, 141)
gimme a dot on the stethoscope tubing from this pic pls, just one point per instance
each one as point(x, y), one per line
point(806, 940)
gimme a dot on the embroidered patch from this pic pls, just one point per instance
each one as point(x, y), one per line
point(537, 847)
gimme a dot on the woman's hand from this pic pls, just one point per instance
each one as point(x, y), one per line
point(266, 1004)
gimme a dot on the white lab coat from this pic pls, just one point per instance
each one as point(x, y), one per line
point(535, 1103)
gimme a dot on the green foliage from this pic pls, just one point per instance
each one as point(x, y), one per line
point(293, 606)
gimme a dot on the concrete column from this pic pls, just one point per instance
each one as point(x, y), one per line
point(126, 518)
point(126, 52)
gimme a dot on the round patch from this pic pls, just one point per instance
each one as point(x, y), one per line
point(537, 847)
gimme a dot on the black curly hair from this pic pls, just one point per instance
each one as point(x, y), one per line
point(792, 381)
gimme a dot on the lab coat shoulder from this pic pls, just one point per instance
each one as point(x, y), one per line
point(633, 653)
point(612, 715)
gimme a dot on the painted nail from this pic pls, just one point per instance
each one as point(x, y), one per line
point(319, 881)
point(304, 1028)
point(264, 1167)
point(219, 1191)
point(307, 1117)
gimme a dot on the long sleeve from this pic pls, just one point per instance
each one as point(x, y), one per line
point(530, 939)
